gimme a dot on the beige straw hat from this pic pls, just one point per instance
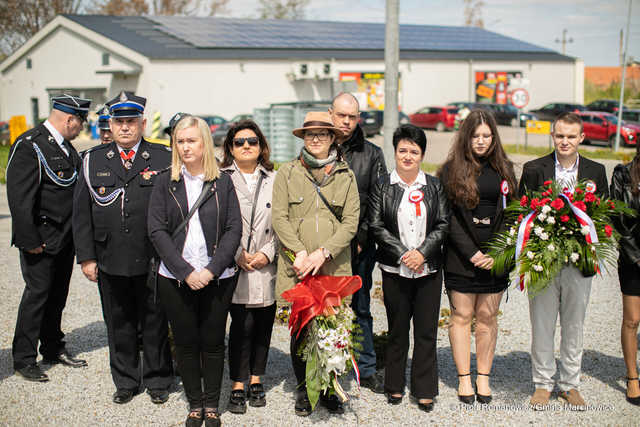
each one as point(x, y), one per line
point(317, 120)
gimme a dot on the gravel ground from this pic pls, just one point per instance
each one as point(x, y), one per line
point(83, 396)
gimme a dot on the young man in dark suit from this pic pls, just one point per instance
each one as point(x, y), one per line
point(568, 294)
point(42, 171)
point(110, 230)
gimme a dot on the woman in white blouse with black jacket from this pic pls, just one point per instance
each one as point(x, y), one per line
point(197, 276)
point(409, 219)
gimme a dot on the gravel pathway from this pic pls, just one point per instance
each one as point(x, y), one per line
point(83, 396)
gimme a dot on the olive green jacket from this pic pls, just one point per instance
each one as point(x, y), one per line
point(303, 222)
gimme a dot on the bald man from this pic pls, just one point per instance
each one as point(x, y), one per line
point(367, 162)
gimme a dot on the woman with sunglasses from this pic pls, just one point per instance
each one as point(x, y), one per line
point(197, 275)
point(316, 209)
point(246, 161)
point(479, 181)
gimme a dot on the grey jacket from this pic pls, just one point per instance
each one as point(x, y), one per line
point(256, 288)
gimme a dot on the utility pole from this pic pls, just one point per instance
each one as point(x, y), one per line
point(616, 146)
point(391, 59)
point(564, 41)
point(621, 47)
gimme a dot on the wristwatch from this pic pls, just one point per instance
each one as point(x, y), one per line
point(326, 253)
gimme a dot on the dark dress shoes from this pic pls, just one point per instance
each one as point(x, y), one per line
point(426, 407)
point(67, 360)
point(237, 402)
point(373, 383)
point(123, 396)
point(332, 403)
point(158, 395)
point(257, 396)
point(394, 400)
point(303, 406)
point(33, 373)
point(194, 419)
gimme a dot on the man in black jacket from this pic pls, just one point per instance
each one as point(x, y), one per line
point(110, 231)
point(41, 174)
point(568, 294)
point(367, 163)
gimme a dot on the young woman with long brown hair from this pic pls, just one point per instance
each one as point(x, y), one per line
point(479, 180)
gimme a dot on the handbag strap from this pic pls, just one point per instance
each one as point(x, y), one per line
point(253, 210)
point(324, 200)
point(205, 189)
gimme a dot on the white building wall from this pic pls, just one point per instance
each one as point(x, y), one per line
point(61, 60)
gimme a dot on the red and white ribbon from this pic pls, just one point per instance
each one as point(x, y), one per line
point(504, 189)
point(356, 370)
point(524, 232)
point(584, 220)
point(415, 197)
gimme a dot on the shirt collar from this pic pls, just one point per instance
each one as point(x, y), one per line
point(570, 169)
point(187, 175)
point(54, 132)
point(421, 179)
point(134, 148)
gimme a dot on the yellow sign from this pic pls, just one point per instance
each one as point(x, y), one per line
point(484, 91)
point(17, 126)
point(160, 141)
point(538, 126)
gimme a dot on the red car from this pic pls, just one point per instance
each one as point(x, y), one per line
point(438, 118)
point(601, 126)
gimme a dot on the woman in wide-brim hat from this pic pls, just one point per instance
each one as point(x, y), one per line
point(315, 215)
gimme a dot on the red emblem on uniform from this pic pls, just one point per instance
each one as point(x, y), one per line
point(590, 187)
point(415, 197)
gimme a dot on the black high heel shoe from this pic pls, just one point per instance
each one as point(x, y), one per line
point(483, 399)
point(633, 400)
point(468, 399)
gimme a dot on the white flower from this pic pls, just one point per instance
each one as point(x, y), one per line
point(530, 254)
point(537, 267)
point(512, 231)
point(336, 363)
point(544, 236)
point(546, 209)
point(574, 257)
point(585, 229)
point(508, 240)
point(551, 247)
point(551, 220)
point(538, 230)
point(542, 217)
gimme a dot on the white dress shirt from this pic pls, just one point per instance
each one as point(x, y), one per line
point(412, 228)
point(56, 135)
point(195, 245)
point(135, 153)
point(567, 177)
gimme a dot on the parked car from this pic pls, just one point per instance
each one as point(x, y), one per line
point(221, 131)
point(438, 118)
point(213, 121)
point(372, 121)
point(507, 115)
point(608, 105)
point(631, 116)
point(549, 112)
point(601, 126)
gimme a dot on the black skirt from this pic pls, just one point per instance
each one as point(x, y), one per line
point(629, 275)
point(482, 283)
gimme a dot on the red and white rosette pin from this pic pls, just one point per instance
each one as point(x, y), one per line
point(415, 197)
point(504, 189)
point(590, 187)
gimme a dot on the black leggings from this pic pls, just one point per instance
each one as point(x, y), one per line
point(198, 321)
point(249, 340)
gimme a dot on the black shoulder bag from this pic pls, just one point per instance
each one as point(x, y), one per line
point(325, 201)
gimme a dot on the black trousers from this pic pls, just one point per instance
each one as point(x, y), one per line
point(299, 365)
point(127, 302)
point(405, 299)
point(198, 321)
point(249, 340)
point(40, 313)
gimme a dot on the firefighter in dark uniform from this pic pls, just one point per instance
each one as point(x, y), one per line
point(42, 171)
point(110, 231)
point(103, 125)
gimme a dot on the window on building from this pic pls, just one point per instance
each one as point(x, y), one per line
point(29, 63)
point(105, 59)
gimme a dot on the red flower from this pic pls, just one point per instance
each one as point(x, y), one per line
point(579, 191)
point(608, 230)
point(544, 201)
point(557, 204)
point(564, 218)
point(589, 198)
point(524, 201)
point(535, 203)
point(565, 190)
point(611, 204)
point(547, 182)
point(598, 201)
point(520, 218)
point(580, 205)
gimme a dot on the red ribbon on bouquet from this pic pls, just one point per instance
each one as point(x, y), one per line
point(314, 294)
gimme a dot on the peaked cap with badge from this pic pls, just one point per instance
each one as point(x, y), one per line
point(127, 104)
point(72, 105)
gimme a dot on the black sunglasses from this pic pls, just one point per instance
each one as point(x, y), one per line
point(239, 142)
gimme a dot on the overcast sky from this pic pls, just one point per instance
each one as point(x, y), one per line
point(594, 25)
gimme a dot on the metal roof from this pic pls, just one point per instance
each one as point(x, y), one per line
point(180, 37)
